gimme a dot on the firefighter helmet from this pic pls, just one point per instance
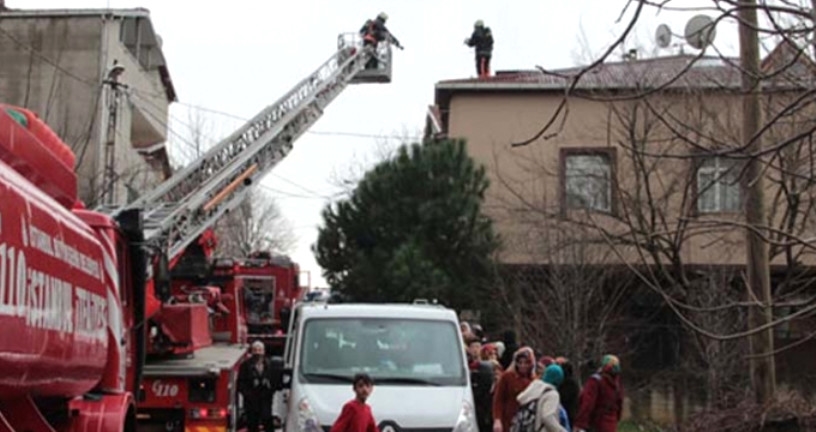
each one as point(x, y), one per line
point(383, 16)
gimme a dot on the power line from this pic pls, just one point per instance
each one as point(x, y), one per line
point(301, 187)
point(329, 133)
point(90, 83)
point(312, 193)
point(293, 195)
point(139, 94)
point(45, 58)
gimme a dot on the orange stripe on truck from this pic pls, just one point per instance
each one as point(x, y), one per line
point(205, 429)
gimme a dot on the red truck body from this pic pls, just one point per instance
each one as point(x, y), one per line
point(269, 287)
point(198, 340)
point(66, 333)
point(190, 378)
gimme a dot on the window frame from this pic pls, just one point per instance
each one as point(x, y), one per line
point(699, 160)
point(611, 154)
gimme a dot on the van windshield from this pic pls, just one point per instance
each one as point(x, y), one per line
point(391, 350)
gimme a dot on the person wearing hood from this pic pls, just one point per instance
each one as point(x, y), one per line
point(549, 411)
point(257, 382)
point(489, 352)
point(499, 350)
point(601, 401)
point(512, 382)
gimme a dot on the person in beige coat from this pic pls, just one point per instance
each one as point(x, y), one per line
point(549, 403)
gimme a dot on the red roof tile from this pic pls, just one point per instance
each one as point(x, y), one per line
point(682, 71)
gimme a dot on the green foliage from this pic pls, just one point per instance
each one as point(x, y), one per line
point(413, 228)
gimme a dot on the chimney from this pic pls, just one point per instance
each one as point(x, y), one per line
point(3, 5)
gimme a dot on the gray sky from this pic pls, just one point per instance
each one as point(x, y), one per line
point(239, 56)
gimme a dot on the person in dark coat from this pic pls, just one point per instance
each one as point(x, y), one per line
point(481, 382)
point(510, 348)
point(257, 382)
point(373, 32)
point(569, 390)
point(482, 41)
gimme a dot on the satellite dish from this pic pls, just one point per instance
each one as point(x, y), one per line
point(700, 31)
point(663, 36)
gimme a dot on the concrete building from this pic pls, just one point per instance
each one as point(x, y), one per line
point(617, 171)
point(100, 80)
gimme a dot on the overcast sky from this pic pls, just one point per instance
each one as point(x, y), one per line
point(239, 56)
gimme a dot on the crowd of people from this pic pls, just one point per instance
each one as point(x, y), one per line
point(517, 389)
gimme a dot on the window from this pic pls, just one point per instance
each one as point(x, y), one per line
point(718, 187)
point(259, 295)
point(587, 179)
point(392, 350)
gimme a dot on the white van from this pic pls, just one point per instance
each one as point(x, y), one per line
point(413, 352)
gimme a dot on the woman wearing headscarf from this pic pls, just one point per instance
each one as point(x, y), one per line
point(548, 408)
point(512, 382)
point(601, 401)
point(489, 352)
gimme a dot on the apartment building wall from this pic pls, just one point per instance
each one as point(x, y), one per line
point(54, 62)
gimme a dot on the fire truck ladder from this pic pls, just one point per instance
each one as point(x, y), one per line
point(192, 200)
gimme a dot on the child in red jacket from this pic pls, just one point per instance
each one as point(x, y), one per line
point(356, 415)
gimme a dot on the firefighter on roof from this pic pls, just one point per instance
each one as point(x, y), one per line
point(373, 32)
point(482, 40)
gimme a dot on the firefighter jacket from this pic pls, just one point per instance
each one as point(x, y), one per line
point(482, 39)
point(375, 31)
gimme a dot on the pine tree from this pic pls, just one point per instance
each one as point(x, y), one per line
point(412, 228)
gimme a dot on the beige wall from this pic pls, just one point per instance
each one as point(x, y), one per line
point(70, 97)
point(525, 194)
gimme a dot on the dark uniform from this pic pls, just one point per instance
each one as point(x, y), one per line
point(482, 40)
point(373, 32)
point(481, 382)
point(258, 385)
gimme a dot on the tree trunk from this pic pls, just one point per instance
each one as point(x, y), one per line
point(763, 374)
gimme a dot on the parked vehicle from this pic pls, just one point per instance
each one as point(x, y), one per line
point(413, 352)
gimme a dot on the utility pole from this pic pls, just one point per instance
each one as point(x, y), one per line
point(109, 171)
point(763, 371)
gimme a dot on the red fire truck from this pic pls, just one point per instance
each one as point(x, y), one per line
point(246, 299)
point(90, 313)
point(271, 287)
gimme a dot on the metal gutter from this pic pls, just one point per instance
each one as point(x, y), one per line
point(69, 13)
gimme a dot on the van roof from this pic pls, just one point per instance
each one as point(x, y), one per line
point(377, 310)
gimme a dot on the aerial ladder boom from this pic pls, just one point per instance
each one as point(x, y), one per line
point(192, 200)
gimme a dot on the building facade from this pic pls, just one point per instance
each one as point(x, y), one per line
point(632, 172)
point(100, 80)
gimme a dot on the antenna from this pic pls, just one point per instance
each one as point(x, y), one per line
point(700, 31)
point(663, 36)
